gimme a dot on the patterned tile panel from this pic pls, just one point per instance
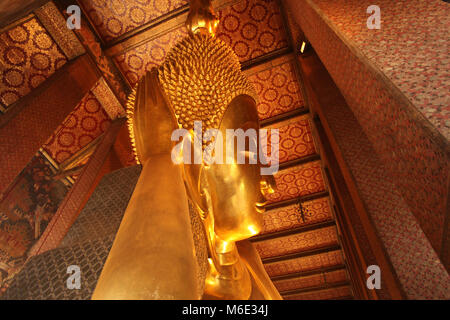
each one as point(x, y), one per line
point(278, 90)
point(298, 181)
point(85, 123)
point(45, 276)
point(323, 294)
point(297, 243)
point(113, 18)
point(285, 218)
point(296, 140)
point(314, 262)
point(252, 28)
point(28, 56)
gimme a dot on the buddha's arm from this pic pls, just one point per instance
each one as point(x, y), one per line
point(253, 261)
point(153, 255)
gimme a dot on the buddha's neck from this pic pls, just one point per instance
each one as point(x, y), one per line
point(227, 259)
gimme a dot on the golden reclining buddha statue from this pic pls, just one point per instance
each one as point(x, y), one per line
point(158, 252)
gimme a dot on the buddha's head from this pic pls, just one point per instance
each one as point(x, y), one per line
point(232, 187)
point(201, 81)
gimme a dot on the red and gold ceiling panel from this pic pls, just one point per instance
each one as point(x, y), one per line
point(252, 28)
point(278, 90)
point(298, 181)
point(113, 18)
point(318, 261)
point(288, 218)
point(322, 294)
point(136, 62)
point(315, 280)
point(296, 140)
point(304, 241)
point(28, 56)
point(85, 123)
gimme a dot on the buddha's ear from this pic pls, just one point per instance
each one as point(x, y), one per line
point(204, 191)
point(197, 187)
point(268, 185)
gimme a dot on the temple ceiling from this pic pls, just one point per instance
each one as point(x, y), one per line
point(29, 56)
point(301, 254)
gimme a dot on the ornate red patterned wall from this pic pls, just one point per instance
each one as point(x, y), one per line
point(413, 152)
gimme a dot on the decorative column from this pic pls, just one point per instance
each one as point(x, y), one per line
point(78, 195)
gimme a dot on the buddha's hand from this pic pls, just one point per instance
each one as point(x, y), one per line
point(150, 120)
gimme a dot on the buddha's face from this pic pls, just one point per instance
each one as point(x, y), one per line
point(234, 189)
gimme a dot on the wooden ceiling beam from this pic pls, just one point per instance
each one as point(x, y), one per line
point(284, 116)
point(299, 162)
point(325, 286)
point(285, 203)
point(302, 254)
point(290, 232)
point(343, 298)
point(265, 58)
point(308, 273)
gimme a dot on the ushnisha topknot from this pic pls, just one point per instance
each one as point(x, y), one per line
point(201, 75)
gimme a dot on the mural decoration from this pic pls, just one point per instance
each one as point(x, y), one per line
point(25, 211)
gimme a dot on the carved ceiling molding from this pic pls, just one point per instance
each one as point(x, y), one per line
point(290, 57)
point(55, 24)
point(108, 100)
